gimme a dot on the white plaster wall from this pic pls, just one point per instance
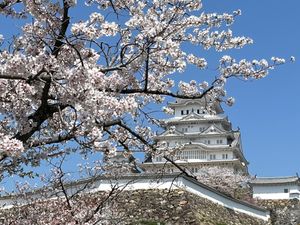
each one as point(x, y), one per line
point(199, 139)
point(163, 183)
point(191, 128)
point(274, 191)
point(219, 155)
point(213, 140)
point(187, 107)
point(194, 128)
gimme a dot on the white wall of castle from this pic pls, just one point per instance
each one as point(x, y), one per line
point(195, 127)
point(192, 128)
point(199, 143)
point(209, 141)
point(136, 183)
point(275, 191)
point(199, 156)
point(190, 108)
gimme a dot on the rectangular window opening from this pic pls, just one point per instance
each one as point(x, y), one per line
point(212, 157)
point(225, 156)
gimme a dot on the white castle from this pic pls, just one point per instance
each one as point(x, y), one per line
point(204, 136)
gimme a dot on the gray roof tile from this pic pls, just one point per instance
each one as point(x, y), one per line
point(275, 180)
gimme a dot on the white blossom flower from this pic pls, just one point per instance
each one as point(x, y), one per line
point(96, 17)
point(264, 63)
point(237, 12)
point(230, 101)
point(293, 59)
point(204, 85)
point(278, 60)
point(93, 84)
point(168, 110)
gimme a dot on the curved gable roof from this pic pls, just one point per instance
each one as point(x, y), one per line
point(213, 129)
point(202, 102)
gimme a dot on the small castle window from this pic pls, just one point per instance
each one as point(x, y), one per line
point(182, 112)
point(187, 112)
point(194, 170)
point(212, 157)
point(220, 141)
point(286, 190)
point(207, 142)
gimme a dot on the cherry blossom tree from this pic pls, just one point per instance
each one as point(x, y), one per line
point(60, 202)
point(75, 85)
point(226, 181)
point(70, 84)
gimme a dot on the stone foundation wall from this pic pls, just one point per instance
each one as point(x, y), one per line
point(283, 212)
point(179, 207)
point(138, 207)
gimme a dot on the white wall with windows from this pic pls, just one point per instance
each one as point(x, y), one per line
point(276, 191)
point(214, 141)
point(186, 110)
point(197, 155)
point(204, 140)
point(192, 128)
point(220, 156)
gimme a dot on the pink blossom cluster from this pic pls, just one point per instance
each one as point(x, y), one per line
point(90, 80)
point(10, 146)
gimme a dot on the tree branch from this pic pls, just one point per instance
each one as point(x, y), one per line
point(147, 69)
point(166, 93)
point(179, 167)
point(63, 29)
point(53, 140)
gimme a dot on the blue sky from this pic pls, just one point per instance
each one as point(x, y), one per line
point(266, 111)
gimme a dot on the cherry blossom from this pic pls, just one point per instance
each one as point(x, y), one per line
point(225, 180)
point(293, 59)
point(89, 85)
point(89, 81)
point(10, 145)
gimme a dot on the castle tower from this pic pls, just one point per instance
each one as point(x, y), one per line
point(203, 137)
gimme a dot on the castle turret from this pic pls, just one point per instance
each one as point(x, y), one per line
point(199, 135)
